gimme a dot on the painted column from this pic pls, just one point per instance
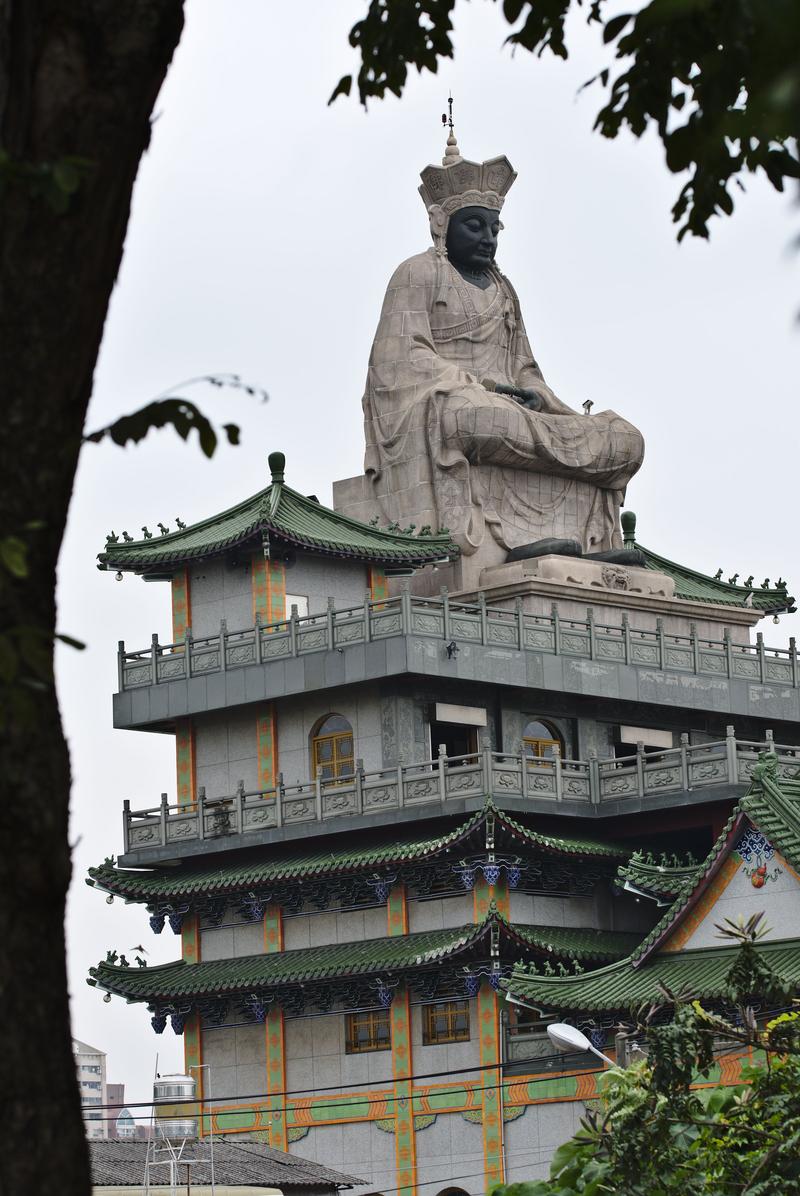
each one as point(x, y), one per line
point(378, 583)
point(481, 897)
point(491, 1077)
point(181, 605)
point(276, 1041)
point(192, 1032)
point(267, 747)
point(402, 1059)
point(269, 589)
point(184, 761)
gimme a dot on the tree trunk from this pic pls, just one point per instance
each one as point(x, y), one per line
point(78, 78)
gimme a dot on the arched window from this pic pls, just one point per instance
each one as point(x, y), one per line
point(332, 748)
point(541, 741)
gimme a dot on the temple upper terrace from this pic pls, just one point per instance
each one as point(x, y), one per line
point(448, 639)
point(448, 785)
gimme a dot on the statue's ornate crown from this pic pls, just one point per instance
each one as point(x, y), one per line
point(458, 183)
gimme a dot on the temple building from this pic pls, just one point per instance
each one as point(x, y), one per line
point(505, 748)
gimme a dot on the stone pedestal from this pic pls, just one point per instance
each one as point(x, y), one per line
point(574, 584)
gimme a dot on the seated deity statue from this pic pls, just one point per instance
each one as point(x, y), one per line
point(462, 431)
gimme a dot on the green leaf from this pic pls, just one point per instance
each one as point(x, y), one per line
point(342, 88)
point(615, 26)
point(14, 556)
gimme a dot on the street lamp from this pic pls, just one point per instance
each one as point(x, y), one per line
point(569, 1038)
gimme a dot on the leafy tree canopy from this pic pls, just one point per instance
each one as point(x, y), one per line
point(655, 1135)
point(719, 80)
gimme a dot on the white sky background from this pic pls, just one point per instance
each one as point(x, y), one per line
point(265, 227)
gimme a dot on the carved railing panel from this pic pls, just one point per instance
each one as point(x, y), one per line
point(438, 618)
point(684, 769)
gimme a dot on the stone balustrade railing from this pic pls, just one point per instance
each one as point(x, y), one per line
point(459, 625)
point(441, 781)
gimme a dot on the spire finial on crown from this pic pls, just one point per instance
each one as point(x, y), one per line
point(452, 155)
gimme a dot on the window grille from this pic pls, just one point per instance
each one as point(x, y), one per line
point(332, 749)
point(446, 1021)
point(368, 1030)
point(541, 742)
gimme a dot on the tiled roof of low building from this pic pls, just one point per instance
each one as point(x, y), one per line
point(661, 880)
point(282, 514)
point(622, 987)
point(280, 865)
point(383, 955)
point(237, 1162)
point(701, 587)
point(771, 806)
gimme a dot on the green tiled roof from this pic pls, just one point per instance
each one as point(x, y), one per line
point(621, 986)
point(700, 587)
point(772, 805)
point(280, 866)
point(578, 942)
point(290, 518)
point(396, 954)
point(663, 881)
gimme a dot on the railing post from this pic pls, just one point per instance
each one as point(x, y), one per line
point(187, 651)
point(279, 793)
point(590, 625)
point(484, 620)
point(223, 648)
point(442, 773)
point(640, 769)
point(367, 609)
point(401, 791)
point(120, 666)
point(793, 659)
point(294, 619)
point(163, 819)
point(726, 639)
point(558, 773)
point(769, 736)
point(329, 623)
point(684, 760)
point(486, 764)
point(524, 768)
point(556, 629)
point(695, 647)
point(405, 608)
point(520, 623)
point(761, 654)
point(626, 637)
point(318, 796)
point(238, 806)
point(445, 593)
point(257, 641)
point(126, 824)
point(154, 660)
point(662, 655)
point(731, 755)
point(201, 810)
point(594, 777)
point(359, 781)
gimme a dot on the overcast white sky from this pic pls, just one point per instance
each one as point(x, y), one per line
point(265, 226)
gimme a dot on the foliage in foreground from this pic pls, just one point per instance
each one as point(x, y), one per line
point(653, 1135)
point(717, 80)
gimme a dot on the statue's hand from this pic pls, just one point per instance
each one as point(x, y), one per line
point(531, 399)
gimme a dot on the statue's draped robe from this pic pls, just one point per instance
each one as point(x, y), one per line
point(445, 450)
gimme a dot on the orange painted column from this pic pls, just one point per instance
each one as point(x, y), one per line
point(269, 589)
point(402, 1059)
point(181, 605)
point(378, 583)
point(276, 1041)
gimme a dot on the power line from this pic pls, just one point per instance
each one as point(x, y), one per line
point(336, 1103)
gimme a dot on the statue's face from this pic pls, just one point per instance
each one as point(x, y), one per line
point(472, 237)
